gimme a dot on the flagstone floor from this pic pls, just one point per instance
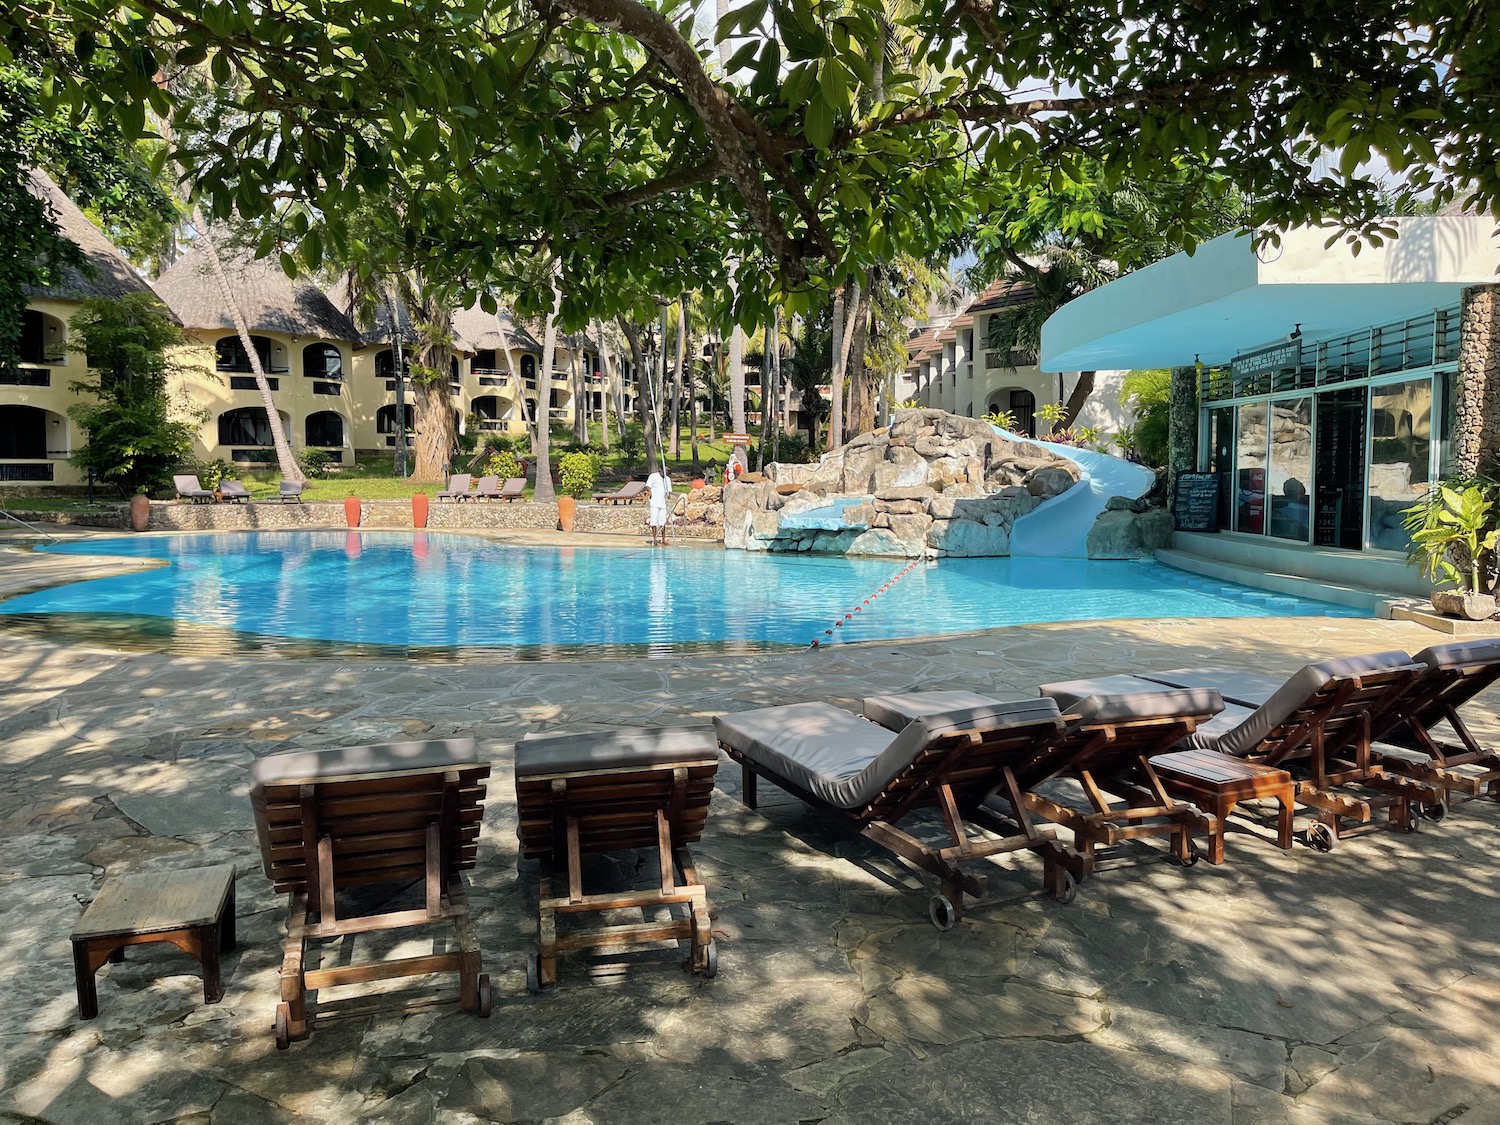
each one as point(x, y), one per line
point(1354, 987)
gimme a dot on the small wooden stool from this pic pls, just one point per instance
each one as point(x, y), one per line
point(192, 909)
point(1217, 782)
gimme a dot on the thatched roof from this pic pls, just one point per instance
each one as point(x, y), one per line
point(269, 300)
point(475, 330)
point(107, 274)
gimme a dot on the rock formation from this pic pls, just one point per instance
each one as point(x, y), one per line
point(931, 484)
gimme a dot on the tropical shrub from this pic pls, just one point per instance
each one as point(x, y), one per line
point(1454, 534)
point(210, 474)
point(633, 443)
point(134, 444)
point(1052, 413)
point(1148, 395)
point(314, 463)
point(577, 472)
point(1004, 419)
point(502, 464)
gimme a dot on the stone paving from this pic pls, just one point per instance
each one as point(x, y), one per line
point(1343, 989)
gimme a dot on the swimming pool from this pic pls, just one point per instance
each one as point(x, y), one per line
point(385, 593)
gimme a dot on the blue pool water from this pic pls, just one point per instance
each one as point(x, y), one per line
point(444, 591)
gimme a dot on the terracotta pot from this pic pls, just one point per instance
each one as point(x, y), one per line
point(697, 483)
point(351, 510)
point(140, 512)
point(1469, 607)
point(419, 510)
point(567, 509)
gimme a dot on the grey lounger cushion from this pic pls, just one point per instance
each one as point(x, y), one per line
point(1251, 689)
point(1244, 739)
point(1478, 651)
point(348, 762)
point(838, 757)
point(894, 711)
point(612, 749)
point(1118, 699)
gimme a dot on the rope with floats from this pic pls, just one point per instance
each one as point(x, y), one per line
point(817, 642)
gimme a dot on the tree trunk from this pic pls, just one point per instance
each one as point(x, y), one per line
point(290, 470)
point(608, 373)
point(512, 369)
point(857, 420)
point(677, 380)
point(398, 356)
point(775, 360)
point(575, 376)
point(713, 388)
point(1476, 437)
point(1182, 427)
point(1080, 395)
point(545, 492)
point(643, 383)
point(836, 418)
point(436, 433)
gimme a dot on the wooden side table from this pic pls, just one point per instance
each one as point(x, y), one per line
point(192, 909)
point(1217, 782)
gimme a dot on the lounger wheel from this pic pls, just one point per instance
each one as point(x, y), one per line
point(1320, 837)
point(534, 983)
point(283, 1026)
point(482, 996)
point(1069, 890)
point(941, 913)
point(1192, 857)
point(711, 961)
point(1412, 821)
point(1434, 810)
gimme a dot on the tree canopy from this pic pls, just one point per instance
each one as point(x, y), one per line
point(606, 131)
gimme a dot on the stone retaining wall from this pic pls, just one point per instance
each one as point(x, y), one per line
point(114, 518)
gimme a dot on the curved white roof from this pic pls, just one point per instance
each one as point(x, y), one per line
point(1227, 298)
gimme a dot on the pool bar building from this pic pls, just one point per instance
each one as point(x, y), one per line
point(1324, 389)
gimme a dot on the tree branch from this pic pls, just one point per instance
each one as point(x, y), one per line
point(701, 173)
point(714, 107)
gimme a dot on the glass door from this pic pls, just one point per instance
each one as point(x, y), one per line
point(1221, 456)
point(1339, 472)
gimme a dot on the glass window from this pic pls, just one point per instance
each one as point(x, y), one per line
point(1448, 384)
point(322, 361)
point(1400, 457)
point(1289, 475)
point(1250, 466)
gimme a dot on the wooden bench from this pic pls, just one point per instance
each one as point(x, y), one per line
point(1216, 783)
point(192, 909)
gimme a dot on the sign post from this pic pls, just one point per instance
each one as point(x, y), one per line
point(1195, 507)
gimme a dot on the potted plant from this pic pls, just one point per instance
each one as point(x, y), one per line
point(1453, 538)
point(576, 472)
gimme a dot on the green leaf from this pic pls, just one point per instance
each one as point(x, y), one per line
point(819, 123)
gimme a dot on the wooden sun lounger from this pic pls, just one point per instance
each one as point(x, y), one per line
point(391, 813)
point(188, 488)
point(514, 488)
point(872, 779)
point(233, 492)
point(1455, 674)
point(583, 793)
point(1320, 725)
point(628, 493)
point(488, 488)
point(458, 487)
point(1105, 746)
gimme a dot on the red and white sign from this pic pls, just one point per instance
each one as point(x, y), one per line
point(737, 439)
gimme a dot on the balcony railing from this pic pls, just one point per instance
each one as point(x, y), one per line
point(33, 471)
point(490, 424)
point(26, 377)
point(246, 369)
point(247, 383)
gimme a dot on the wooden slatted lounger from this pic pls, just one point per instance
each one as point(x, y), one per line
point(1107, 741)
point(1455, 674)
point(584, 793)
point(872, 778)
point(390, 813)
point(1320, 724)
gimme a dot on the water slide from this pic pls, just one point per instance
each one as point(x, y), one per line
point(1059, 527)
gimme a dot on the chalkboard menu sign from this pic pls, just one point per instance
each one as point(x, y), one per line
point(1196, 506)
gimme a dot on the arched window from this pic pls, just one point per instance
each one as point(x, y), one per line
point(322, 361)
point(23, 432)
point(385, 419)
point(528, 367)
point(385, 364)
point(246, 425)
point(325, 428)
point(44, 339)
point(487, 407)
point(484, 361)
point(232, 356)
point(455, 373)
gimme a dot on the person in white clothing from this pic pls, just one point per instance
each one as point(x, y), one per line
point(659, 485)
